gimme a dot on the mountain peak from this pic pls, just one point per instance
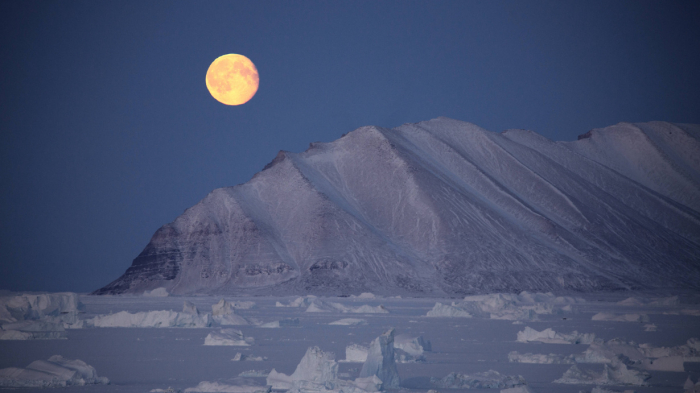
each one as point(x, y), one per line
point(444, 207)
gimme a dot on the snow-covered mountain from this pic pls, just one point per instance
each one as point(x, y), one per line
point(445, 207)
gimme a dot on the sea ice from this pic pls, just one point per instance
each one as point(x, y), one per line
point(228, 337)
point(549, 336)
point(484, 380)
point(56, 372)
point(151, 319)
point(380, 361)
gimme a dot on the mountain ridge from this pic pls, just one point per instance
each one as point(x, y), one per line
point(444, 207)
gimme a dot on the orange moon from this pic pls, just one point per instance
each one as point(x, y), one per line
point(232, 79)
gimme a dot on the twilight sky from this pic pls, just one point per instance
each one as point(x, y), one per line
point(107, 130)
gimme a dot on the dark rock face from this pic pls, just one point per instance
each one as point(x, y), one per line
point(445, 207)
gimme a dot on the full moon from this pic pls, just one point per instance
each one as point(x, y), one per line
point(232, 79)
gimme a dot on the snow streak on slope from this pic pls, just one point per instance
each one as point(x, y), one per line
point(445, 207)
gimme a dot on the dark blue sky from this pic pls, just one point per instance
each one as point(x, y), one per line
point(107, 130)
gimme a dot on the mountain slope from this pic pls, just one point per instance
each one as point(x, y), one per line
point(445, 207)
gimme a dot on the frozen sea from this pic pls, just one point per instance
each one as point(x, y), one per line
point(142, 359)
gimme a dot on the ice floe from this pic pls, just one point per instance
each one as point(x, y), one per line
point(349, 322)
point(539, 358)
point(381, 362)
point(248, 358)
point(643, 356)
point(286, 322)
point(151, 319)
point(518, 389)
point(228, 337)
point(483, 380)
point(55, 372)
point(615, 373)
point(525, 306)
point(672, 301)
point(549, 336)
point(219, 387)
point(606, 316)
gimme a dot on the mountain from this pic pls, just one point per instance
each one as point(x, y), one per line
point(444, 207)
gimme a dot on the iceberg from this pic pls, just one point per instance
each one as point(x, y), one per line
point(442, 310)
point(316, 366)
point(412, 345)
point(29, 306)
point(228, 337)
point(549, 336)
point(380, 361)
point(158, 292)
point(55, 372)
point(32, 330)
point(355, 353)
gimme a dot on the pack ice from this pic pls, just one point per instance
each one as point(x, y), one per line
point(55, 372)
point(443, 207)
